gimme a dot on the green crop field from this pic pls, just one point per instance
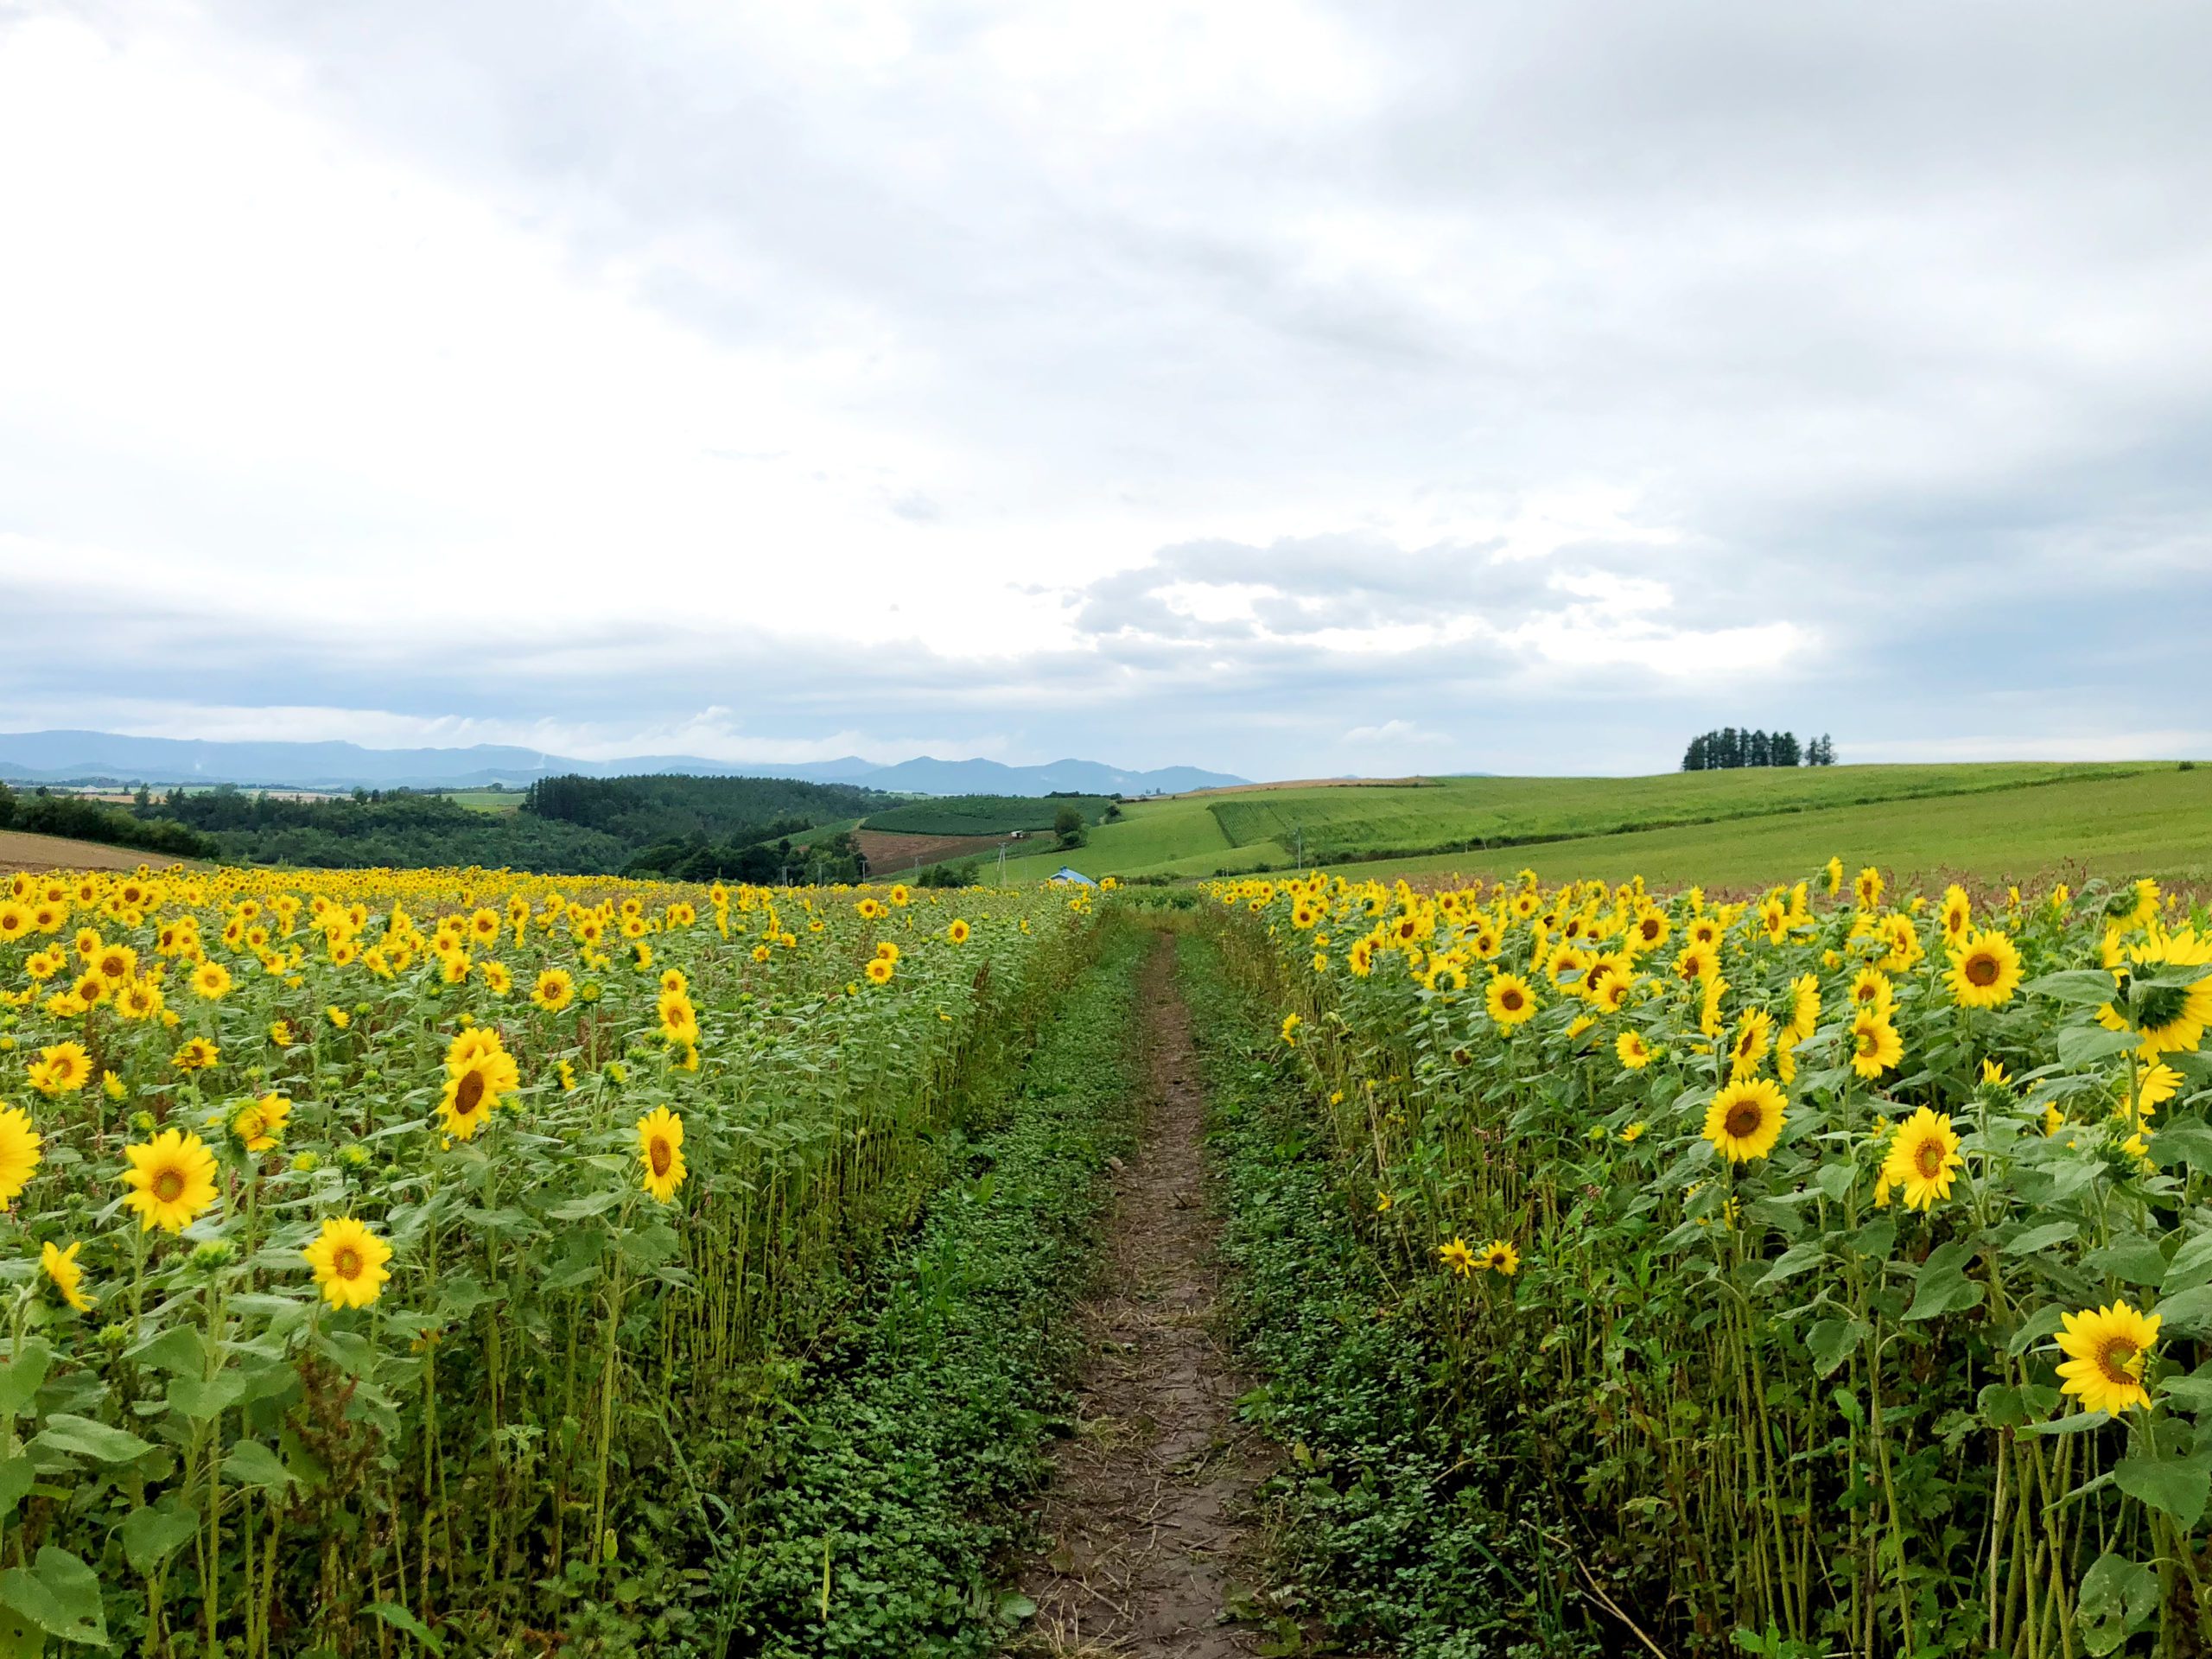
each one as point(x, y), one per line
point(488, 800)
point(982, 814)
point(1734, 828)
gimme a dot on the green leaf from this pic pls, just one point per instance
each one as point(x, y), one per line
point(2080, 1423)
point(2080, 1046)
point(205, 1401)
point(2191, 1267)
point(1793, 1260)
point(2188, 1314)
point(1836, 1181)
point(2043, 1322)
point(400, 1619)
point(178, 1351)
point(2176, 1485)
point(1014, 1607)
point(2041, 1238)
point(2117, 1596)
point(16, 1478)
point(584, 1207)
point(150, 1537)
point(81, 1437)
point(252, 1464)
point(2086, 987)
point(20, 1639)
point(1830, 1341)
point(59, 1594)
point(21, 1376)
point(2184, 1140)
point(1943, 1287)
point(2134, 1260)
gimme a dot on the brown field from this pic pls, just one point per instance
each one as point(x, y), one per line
point(19, 851)
point(888, 853)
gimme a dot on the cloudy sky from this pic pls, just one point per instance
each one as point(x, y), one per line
point(1286, 388)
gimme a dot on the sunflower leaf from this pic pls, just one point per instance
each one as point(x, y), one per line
point(2179, 1486)
point(400, 1619)
point(21, 1376)
point(2187, 1314)
point(2185, 1141)
point(81, 1437)
point(2042, 1238)
point(1943, 1287)
point(2086, 1044)
point(2091, 986)
point(2117, 1596)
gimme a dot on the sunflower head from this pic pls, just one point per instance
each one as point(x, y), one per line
point(660, 1150)
point(2105, 1350)
point(1923, 1159)
point(349, 1263)
point(1745, 1119)
point(171, 1180)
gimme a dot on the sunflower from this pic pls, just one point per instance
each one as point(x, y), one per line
point(679, 1022)
point(19, 1153)
point(497, 978)
point(879, 970)
point(1956, 914)
point(349, 1263)
point(1499, 1257)
point(172, 1178)
point(1872, 990)
point(899, 895)
point(1696, 963)
point(212, 980)
point(1634, 1133)
point(1867, 889)
point(957, 931)
point(114, 963)
point(554, 990)
point(260, 1126)
point(471, 1091)
point(140, 999)
point(2171, 1018)
point(1456, 1256)
point(2105, 1350)
point(90, 988)
point(887, 951)
point(1804, 1010)
point(1984, 970)
point(62, 1070)
point(1745, 1119)
point(660, 1149)
point(61, 1267)
point(1706, 930)
point(1509, 999)
point(16, 922)
point(673, 983)
point(1635, 1053)
point(1290, 1024)
point(1923, 1159)
point(759, 953)
point(1875, 1044)
point(1754, 1034)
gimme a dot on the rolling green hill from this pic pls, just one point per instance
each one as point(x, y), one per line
point(1719, 827)
point(983, 815)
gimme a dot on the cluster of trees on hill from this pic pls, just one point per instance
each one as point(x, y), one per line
point(40, 812)
point(1728, 747)
point(714, 828)
point(374, 827)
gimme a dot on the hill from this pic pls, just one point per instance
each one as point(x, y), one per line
point(74, 756)
point(1755, 820)
point(983, 815)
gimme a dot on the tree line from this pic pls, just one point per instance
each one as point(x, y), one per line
point(1728, 747)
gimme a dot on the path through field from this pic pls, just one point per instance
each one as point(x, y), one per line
point(1145, 1519)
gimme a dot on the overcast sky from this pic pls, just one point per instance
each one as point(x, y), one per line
point(1284, 389)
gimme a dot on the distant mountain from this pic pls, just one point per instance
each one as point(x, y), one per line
point(60, 757)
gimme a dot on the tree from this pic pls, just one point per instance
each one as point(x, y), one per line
point(1067, 825)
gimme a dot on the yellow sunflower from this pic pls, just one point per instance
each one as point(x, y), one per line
point(1635, 1053)
point(212, 980)
point(260, 1126)
point(679, 1022)
point(660, 1149)
point(1456, 1256)
point(1499, 1257)
point(1509, 999)
point(1754, 1034)
point(1745, 1119)
point(2106, 1350)
point(957, 931)
point(1923, 1159)
point(19, 1153)
point(349, 1263)
point(62, 1070)
point(879, 970)
point(172, 1178)
point(1984, 970)
point(1875, 1044)
point(60, 1266)
point(554, 990)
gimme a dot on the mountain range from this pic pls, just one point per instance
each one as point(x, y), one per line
point(83, 757)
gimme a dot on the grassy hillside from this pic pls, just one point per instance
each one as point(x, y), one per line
point(1993, 817)
point(982, 814)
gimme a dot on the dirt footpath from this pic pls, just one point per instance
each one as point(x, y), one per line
point(1146, 1520)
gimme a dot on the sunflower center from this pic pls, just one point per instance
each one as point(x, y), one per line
point(168, 1186)
point(1510, 1001)
point(663, 1156)
point(471, 1091)
point(346, 1263)
point(1866, 1041)
point(1981, 970)
point(1928, 1159)
point(1744, 1119)
point(2114, 1359)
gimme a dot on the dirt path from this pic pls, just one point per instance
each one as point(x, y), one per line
point(1145, 1519)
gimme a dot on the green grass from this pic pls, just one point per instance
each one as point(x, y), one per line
point(1737, 827)
point(2149, 824)
point(982, 814)
point(488, 800)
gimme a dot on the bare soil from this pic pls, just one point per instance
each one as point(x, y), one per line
point(1147, 1523)
point(892, 854)
point(21, 851)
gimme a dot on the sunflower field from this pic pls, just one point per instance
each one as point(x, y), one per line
point(376, 1244)
point(1835, 1266)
